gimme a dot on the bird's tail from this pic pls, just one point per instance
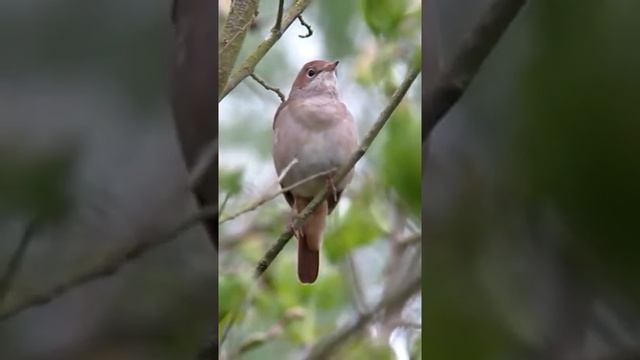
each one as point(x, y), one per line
point(309, 240)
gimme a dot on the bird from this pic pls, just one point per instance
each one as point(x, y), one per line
point(313, 133)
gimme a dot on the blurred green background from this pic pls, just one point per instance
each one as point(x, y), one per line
point(531, 190)
point(87, 146)
point(364, 252)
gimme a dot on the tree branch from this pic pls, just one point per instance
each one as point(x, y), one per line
point(233, 33)
point(267, 86)
point(258, 203)
point(249, 64)
point(108, 265)
point(323, 349)
point(340, 174)
point(16, 259)
point(453, 80)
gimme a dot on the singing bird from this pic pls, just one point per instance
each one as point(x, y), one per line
point(314, 132)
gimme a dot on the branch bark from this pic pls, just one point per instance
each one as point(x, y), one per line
point(249, 64)
point(107, 266)
point(454, 79)
point(233, 32)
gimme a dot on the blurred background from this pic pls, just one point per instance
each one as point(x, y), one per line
point(371, 242)
point(87, 148)
point(531, 189)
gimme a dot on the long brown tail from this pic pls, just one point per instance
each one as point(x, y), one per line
point(310, 240)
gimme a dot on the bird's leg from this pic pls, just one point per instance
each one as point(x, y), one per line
point(296, 232)
point(332, 187)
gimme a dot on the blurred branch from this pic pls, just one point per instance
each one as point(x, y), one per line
point(257, 339)
point(107, 265)
point(249, 64)
point(233, 32)
point(260, 202)
point(340, 174)
point(203, 163)
point(358, 295)
point(324, 348)
point(304, 23)
point(266, 86)
point(453, 80)
point(16, 259)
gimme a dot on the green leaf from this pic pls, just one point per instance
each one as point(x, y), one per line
point(384, 16)
point(356, 229)
point(230, 181)
point(334, 18)
point(401, 158)
point(232, 290)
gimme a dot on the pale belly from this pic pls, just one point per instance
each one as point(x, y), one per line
point(318, 154)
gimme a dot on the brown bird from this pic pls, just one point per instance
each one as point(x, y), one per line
point(314, 132)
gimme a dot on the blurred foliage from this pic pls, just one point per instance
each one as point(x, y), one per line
point(384, 16)
point(533, 181)
point(36, 185)
point(401, 157)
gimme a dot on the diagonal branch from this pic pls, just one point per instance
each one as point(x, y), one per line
point(17, 259)
point(453, 80)
point(258, 203)
point(107, 265)
point(249, 64)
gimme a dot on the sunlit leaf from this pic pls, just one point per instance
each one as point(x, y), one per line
point(383, 16)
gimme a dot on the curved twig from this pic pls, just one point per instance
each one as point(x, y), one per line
point(267, 86)
point(304, 23)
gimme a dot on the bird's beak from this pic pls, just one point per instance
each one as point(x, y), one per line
point(331, 66)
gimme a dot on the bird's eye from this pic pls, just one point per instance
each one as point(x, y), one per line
point(311, 73)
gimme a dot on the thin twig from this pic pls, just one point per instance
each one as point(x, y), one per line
point(107, 265)
point(260, 202)
point(304, 23)
point(324, 348)
point(276, 27)
point(451, 83)
point(266, 86)
point(203, 162)
point(250, 62)
point(17, 259)
point(358, 294)
point(287, 168)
